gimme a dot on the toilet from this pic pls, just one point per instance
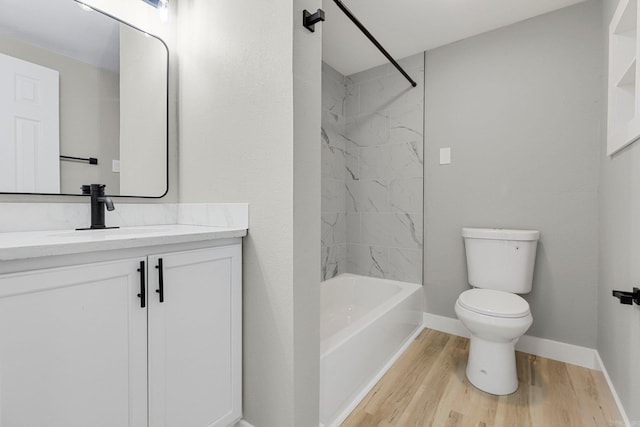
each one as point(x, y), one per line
point(499, 266)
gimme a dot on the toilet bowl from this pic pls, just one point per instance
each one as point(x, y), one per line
point(500, 265)
point(496, 320)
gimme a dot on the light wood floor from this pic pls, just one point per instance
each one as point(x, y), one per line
point(427, 386)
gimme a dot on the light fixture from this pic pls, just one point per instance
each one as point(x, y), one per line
point(164, 10)
point(162, 6)
point(84, 7)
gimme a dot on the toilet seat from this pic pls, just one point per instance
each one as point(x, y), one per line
point(494, 303)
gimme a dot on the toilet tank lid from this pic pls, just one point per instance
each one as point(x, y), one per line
point(500, 234)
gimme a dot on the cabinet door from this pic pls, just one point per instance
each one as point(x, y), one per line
point(195, 338)
point(73, 347)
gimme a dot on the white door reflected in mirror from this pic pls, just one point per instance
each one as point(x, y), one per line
point(29, 135)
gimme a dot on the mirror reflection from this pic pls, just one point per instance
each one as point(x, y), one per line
point(83, 100)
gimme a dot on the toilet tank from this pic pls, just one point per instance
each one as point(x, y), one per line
point(501, 259)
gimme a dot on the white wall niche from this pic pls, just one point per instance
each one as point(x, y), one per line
point(623, 121)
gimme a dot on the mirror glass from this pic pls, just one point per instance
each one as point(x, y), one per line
point(83, 100)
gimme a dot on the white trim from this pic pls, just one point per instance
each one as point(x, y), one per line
point(243, 423)
point(445, 324)
point(555, 350)
point(563, 352)
point(365, 390)
point(603, 368)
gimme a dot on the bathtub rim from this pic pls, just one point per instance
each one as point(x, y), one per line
point(329, 344)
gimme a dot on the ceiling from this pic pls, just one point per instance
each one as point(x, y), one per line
point(406, 27)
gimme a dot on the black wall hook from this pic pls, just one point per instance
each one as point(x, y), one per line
point(628, 298)
point(310, 20)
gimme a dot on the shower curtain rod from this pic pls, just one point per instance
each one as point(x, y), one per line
point(373, 40)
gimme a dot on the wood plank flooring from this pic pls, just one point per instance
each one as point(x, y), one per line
point(427, 386)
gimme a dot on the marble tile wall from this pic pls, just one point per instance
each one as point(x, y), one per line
point(384, 146)
point(372, 172)
point(334, 208)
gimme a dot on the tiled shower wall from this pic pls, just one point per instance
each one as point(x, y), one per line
point(373, 157)
point(334, 207)
point(384, 130)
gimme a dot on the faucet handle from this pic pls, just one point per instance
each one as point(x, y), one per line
point(86, 190)
point(97, 189)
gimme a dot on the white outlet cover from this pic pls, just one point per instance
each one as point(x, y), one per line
point(115, 166)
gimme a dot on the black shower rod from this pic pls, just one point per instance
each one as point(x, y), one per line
point(374, 41)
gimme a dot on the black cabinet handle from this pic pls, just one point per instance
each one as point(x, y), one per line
point(160, 290)
point(142, 294)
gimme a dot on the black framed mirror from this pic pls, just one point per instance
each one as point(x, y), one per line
point(83, 100)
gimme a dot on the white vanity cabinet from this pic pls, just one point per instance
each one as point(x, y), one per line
point(195, 361)
point(73, 347)
point(77, 347)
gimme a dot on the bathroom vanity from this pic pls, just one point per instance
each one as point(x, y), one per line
point(136, 326)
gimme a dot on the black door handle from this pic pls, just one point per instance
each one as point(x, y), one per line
point(160, 290)
point(142, 294)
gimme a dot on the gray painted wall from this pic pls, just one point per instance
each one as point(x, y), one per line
point(249, 120)
point(143, 109)
point(520, 108)
point(619, 325)
point(307, 66)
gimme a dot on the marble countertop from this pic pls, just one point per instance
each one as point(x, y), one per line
point(33, 244)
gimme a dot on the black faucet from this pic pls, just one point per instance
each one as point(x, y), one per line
point(98, 203)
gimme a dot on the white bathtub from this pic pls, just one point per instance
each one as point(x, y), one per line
point(364, 324)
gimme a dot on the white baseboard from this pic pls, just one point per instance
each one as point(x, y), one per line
point(555, 350)
point(603, 368)
point(563, 352)
point(243, 423)
point(445, 324)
